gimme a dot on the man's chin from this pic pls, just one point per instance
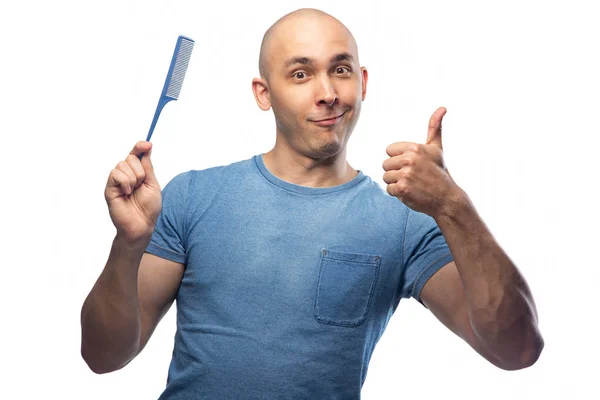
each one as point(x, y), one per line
point(327, 149)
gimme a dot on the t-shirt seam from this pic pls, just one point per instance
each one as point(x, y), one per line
point(404, 239)
point(418, 278)
point(306, 194)
point(187, 208)
point(153, 243)
point(350, 261)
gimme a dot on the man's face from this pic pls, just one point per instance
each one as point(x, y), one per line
point(316, 85)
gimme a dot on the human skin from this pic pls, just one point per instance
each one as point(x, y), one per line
point(310, 71)
point(481, 296)
point(135, 289)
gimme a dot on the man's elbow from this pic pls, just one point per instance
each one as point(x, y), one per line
point(529, 356)
point(98, 365)
point(97, 368)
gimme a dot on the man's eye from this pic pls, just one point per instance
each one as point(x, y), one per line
point(342, 70)
point(299, 75)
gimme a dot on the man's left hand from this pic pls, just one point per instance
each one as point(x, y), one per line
point(416, 173)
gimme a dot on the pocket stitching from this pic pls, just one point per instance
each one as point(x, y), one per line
point(375, 264)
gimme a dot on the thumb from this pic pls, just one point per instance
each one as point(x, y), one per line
point(149, 169)
point(143, 151)
point(434, 134)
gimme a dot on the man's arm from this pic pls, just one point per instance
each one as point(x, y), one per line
point(135, 289)
point(481, 296)
point(125, 306)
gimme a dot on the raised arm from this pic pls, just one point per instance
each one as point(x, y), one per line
point(481, 296)
point(135, 289)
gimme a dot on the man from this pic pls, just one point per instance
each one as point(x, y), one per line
point(287, 267)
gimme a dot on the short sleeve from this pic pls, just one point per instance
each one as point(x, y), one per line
point(425, 251)
point(168, 239)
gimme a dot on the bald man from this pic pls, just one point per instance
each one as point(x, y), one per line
point(287, 266)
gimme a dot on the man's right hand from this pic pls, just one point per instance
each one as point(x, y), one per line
point(133, 195)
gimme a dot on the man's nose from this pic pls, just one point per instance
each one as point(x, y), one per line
point(327, 94)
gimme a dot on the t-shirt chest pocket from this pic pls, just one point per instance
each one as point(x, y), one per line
point(345, 287)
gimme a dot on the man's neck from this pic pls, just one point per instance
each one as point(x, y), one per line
point(306, 171)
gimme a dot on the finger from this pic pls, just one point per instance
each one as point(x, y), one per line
point(138, 170)
point(120, 181)
point(129, 184)
point(140, 148)
point(391, 177)
point(143, 148)
point(434, 133)
point(399, 148)
point(398, 189)
point(398, 162)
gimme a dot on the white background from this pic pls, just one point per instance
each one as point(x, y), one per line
point(79, 83)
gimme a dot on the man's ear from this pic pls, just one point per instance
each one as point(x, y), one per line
point(261, 93)
point(365, 78)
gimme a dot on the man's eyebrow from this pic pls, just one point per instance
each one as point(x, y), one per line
point(310, 61)
point(342, 57)
point(298, 60)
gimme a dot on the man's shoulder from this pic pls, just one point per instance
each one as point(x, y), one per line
point(233, 167)
point(375, 192)
point(214, 174)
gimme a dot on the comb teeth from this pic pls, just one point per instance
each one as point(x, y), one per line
point(181, 64)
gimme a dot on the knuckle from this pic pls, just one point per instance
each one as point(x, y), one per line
point(414, 147)
point(386, 164)
point(397, 189)
point(392, 164)
point(390, 190)
point(391, 149)
point(401, 186)
point(387, 178)
point(392, 176)
point(139, 178)
point(410, 161)
point(433, 150)
point(114, 175)
point(131, 159)
point(116, 178)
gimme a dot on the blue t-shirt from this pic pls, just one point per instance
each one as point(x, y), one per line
point(287, 288)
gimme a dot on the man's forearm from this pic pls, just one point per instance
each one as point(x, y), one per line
point(110, 316)
point(500, 305)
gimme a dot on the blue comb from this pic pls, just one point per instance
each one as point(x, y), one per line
point(179, 64)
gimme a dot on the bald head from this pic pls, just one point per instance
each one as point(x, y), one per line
point(289, 28)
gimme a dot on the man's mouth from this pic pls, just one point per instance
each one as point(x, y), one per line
point(330, 120)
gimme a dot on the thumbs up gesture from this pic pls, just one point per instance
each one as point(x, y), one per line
point(417, 175)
